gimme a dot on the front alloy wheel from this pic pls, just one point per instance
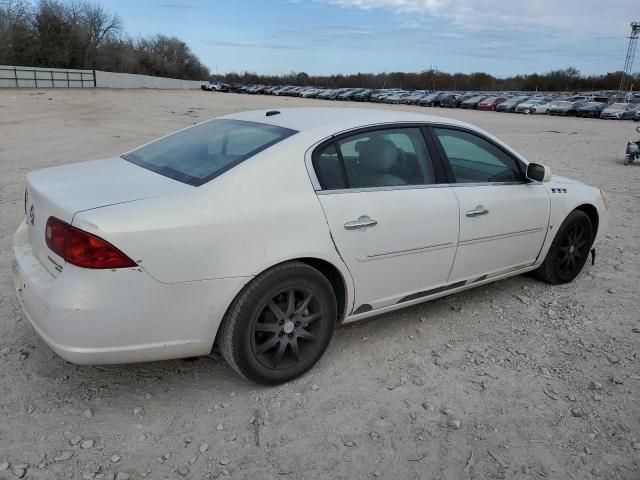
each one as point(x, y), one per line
point(569, 251)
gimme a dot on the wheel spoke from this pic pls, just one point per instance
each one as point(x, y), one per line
point(267, 327)
point(279, 353)
point(310, 318)
point(276, 310)
point(291, 301)
point(305, 303)
point(294, 348)
point(268, 345)
point(305, 335)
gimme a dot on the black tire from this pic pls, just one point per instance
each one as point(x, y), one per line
point(274, 331)
point(569, 250)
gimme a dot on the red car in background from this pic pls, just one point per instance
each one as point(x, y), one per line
point(490, 103)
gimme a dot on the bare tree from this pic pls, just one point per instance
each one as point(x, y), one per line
point(98, 25)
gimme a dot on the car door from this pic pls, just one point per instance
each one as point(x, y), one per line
point(393, 218)
point(503, 217)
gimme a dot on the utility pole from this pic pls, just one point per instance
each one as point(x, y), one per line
point(434, 72)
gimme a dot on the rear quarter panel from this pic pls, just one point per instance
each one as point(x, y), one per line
point(260, 213)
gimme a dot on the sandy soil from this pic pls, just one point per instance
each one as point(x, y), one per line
point(516, 380)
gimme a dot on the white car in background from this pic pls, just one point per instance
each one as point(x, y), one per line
point(531, 106)
point(263, 230)
point(542, 108)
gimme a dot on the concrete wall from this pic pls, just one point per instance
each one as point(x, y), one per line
point(32, 77)
point(128, 80)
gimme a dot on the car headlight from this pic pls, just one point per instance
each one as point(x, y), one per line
point(605, 200)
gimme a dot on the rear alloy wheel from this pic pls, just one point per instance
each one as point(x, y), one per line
point(569, 250)
point(280, 324)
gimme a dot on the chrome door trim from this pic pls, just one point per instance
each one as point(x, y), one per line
point(500, 236)
point(409, 251)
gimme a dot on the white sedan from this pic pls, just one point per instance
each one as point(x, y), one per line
point(263, 230)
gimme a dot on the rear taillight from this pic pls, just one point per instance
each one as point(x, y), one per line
point(83, 249)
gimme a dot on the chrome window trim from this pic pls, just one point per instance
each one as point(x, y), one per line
point(308, 156)
point(381, 189)
point(414, 187)
point(308, 160)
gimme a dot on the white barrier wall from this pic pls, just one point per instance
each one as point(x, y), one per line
point(33, 77)
point(128, 80)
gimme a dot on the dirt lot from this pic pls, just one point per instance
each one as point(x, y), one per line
point(516, 380)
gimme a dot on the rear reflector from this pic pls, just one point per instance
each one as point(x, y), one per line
point(83, 249)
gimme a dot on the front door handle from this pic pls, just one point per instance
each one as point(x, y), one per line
point(363, 222)
point(479, 210)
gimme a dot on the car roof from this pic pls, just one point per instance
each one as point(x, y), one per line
point(336, 118)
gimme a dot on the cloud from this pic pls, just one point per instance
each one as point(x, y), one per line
point(178, 6)
point(219, 43)
point(569, 17)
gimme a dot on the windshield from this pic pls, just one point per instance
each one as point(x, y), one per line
point(200, 153)
point(619, 105)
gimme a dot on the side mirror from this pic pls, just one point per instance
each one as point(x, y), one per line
point(538, 173)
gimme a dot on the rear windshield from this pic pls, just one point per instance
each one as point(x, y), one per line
point(200, 153)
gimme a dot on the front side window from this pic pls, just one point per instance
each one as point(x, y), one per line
point(200, 153)
point(380, 158)
point(476, 160)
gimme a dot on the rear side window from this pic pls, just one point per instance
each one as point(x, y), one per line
point(374, 159)
point(200, 153)
point(476, 160)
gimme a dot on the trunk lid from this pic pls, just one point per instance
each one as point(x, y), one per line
point(63, 191)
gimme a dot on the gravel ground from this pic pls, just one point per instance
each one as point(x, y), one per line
point(515, 380)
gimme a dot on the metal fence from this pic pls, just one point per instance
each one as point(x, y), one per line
point(35, 77)
point(31, 77)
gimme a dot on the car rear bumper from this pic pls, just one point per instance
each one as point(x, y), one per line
point(117, 316)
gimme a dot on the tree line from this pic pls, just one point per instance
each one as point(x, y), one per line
point(84, 35)
point(565, 80)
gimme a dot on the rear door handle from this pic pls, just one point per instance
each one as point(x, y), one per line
point(479, 210)
point(363, 221)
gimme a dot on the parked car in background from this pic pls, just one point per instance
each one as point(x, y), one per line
point(100, 286)
point(349, 93)
point(431, 99)
point(395, 97)
point(490, 103)
point(462, 97)
point(336, 93)
point(618, 111)
point(590, 109)
point(510, 104)
point(364, 95)
point(282, 90)
point(636, 116)
point(448, 100)
point(219, 86)
point(542, 108)
point(310, 93)
point(563, 108)
point(472, 103)
point(530, 105)
point(414, 97)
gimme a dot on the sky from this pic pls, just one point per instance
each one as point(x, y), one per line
point(500, 37)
